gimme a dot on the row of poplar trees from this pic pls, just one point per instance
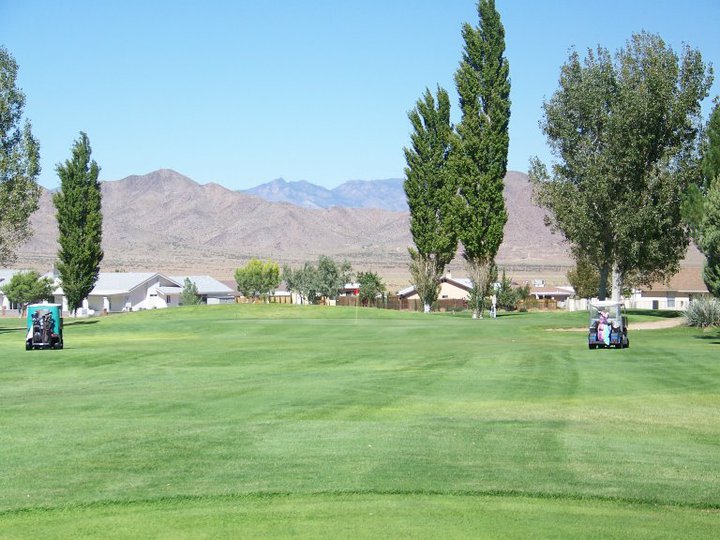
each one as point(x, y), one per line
point(636, 176)
point(77, 203)
point(455, 176)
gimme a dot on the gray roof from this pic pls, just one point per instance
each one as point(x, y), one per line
point(205, 285)
point(110, 283)
point(7, 274)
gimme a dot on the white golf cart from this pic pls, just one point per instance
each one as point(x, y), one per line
point(608, 325)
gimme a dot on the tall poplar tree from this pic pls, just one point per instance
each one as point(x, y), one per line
point(625, 132)
point(479, 155)
point(19, 164)
point(429, 190)
point(709, 230)
point(79, 217)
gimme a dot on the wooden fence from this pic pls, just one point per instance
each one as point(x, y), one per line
point(404, 304)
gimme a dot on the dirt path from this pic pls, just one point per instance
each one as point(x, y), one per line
point(648, 325)
point(655, 325)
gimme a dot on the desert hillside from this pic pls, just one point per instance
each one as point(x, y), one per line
point(167, 222)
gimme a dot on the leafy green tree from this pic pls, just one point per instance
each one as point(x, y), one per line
point(258, 278)
point(584, 278)
point(507, 295)
point(27, 288)
point(625, 133)
point(711, 148)
point(479, 153)
point(425, 276)
point(79, 218)
point(304, 281)
point(317, 282)
point(19, 164)
point(190, 295)
point(694, 201)
point(710, 238)
point(371, 286)
point(430, 191)
point(332, 277)
point(708, 230)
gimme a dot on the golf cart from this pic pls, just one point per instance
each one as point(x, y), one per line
point(608, 325)
point(44, 324)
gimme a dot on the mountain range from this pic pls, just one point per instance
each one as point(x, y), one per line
point(164, 221)
point(384, 194)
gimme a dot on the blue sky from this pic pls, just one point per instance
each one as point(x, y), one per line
point(243, 92)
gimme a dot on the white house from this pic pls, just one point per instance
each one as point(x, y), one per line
point(5, 276)
point(128, 291)
point(210, 290)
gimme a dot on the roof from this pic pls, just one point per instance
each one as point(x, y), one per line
point(205, 284)
point(6, 274)
point(687, 280)
point(605, 303)
point(170, 290)
point(463, 283)
point(553, 291)
point(232, 285)
point(460, 283)
point(113, 283)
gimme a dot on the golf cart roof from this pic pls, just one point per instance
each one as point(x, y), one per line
point(605, 303)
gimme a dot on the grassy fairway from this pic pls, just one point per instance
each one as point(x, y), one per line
point(295, 421)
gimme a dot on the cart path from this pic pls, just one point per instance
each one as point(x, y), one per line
point(648, 325)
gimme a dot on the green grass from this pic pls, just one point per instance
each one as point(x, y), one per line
point(300, 421)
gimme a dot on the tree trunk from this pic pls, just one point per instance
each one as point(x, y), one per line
point(480, 272)
point(617, 283)
point(426, 307)
point(602, 287)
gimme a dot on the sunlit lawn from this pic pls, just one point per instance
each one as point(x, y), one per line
point(282, 421)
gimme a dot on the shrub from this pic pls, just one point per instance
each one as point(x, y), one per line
point(703, 312)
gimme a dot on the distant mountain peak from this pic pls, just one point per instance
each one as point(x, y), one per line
point(387, 194)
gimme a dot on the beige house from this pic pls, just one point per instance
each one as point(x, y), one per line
point(450, 289)
point(560, 294)
point(675, 294)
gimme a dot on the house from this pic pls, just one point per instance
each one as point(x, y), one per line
point(560, 294)
point(5, 276)
point(450, 289)
point(350, 289)
point(677, 293)
point(127, 291)
point(210, 290)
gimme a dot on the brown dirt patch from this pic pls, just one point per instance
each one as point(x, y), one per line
point(648, 325)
